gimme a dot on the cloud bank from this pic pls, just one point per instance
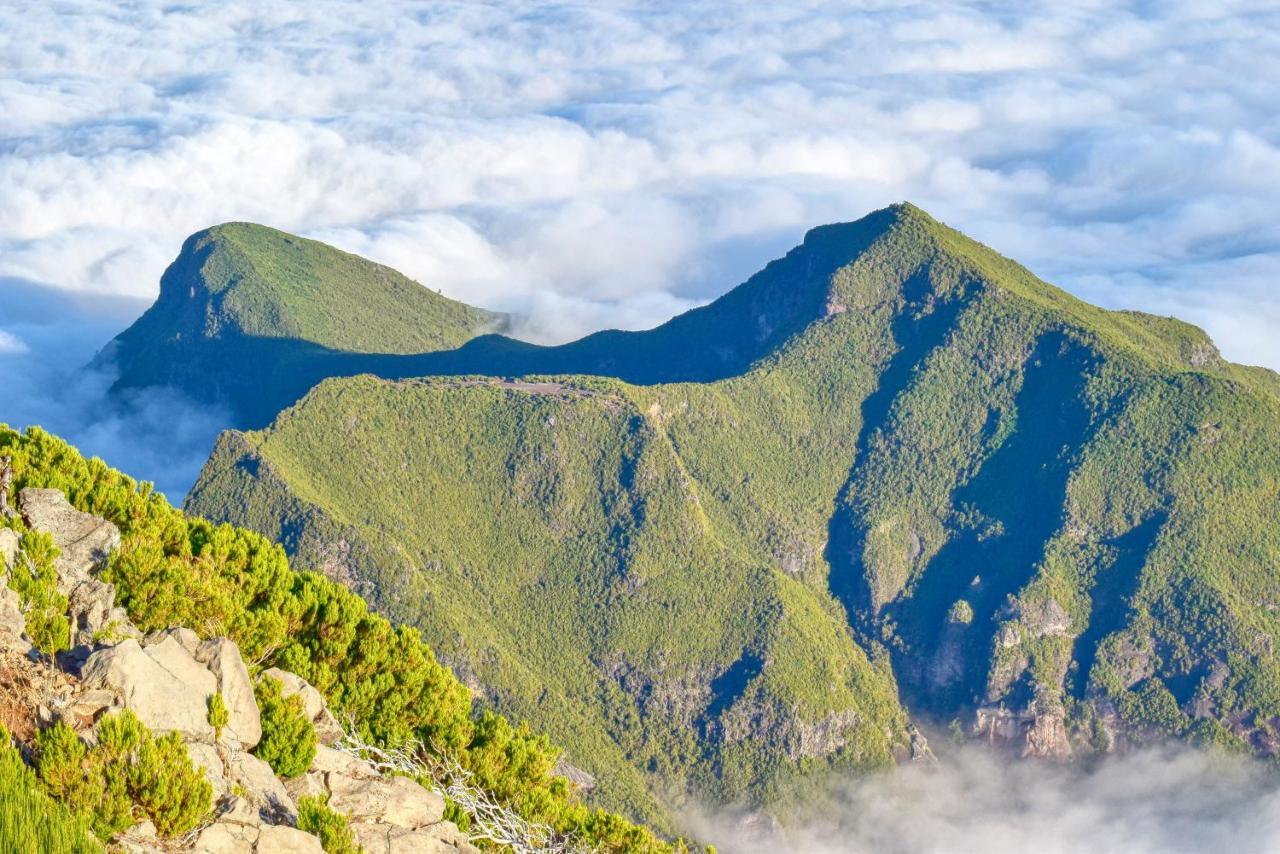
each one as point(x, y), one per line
point(614, 163)
point(1154, 802)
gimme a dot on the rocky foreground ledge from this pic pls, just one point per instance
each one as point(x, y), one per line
point(167, 679)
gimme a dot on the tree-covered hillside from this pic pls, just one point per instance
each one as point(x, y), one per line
point(892, 464)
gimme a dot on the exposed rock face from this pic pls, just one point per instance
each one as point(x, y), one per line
point(162, 684)
point(244, 723)
point(1039, 734)
point(12, 623)
point(391, 800)
point(227, 837)
point(166, 679)
point(8, 548)
point(266, 792)
point(84, 540)
point(84, 543)
point(387, 814)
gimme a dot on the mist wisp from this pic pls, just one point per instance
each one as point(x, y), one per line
point(1157, 801)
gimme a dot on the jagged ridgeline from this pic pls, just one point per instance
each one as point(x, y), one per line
point(893, 472)
point(223, 582)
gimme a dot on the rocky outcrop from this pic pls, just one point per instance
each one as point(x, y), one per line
point(222, 658)
point(388, 815)
point(167, 679)
point(1032, 732)
point(9, 541)
point(162, 684)
point(84, 543)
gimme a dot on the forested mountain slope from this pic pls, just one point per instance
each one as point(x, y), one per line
point(893, 469)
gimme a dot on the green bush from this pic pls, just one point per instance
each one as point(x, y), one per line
point(36, 581)
point(288, 741)
point(29, 819)
point(315, 816)
point(218, 715)
point(168, 787)
point(128, 773)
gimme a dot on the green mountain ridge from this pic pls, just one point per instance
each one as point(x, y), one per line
point(244, 307)
point(892, 476)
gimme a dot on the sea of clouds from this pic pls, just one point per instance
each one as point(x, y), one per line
point(976, 802)
point(614, 163)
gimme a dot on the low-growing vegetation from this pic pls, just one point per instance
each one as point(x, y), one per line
point(315, 816)
point(288, 741)
point(31, 820)
point(128, 774)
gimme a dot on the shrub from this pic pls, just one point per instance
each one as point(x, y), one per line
point(127, 773)
point(315, 816)
point(288, 741)
point(168, 787)
point(218, 715)
point(29, 819)
point(36, 581)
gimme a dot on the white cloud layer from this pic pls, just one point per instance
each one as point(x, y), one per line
point(1153, 802)
point(614, 163)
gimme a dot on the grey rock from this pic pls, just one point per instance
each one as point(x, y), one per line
point(12, 624)
point(206, 757)
point(163, 685)
point(287, 840)
point(84, 541)
point(327, 729)
point(244, 722)
point(226, 838)
point(330, 761)
point(9, 541)
point(265, 790)
point(309, 785)
point(391, 800)
point(181, 635)
point(441, 838)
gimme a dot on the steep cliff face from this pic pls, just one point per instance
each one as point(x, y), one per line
point(919, 473)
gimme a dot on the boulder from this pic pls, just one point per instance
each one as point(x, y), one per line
point(279, 839)
point(396, 801)
point(94, 615)
point(206, 757)
point(180, 635)
point(226, 838)
point(328, 730)
point(162, 684)
point(330, 761)
point(84, 541)
point(306, 785)
point(264, 789)
point(244, 723)
point(442, 838)
point(236, 810)
point(9, 541)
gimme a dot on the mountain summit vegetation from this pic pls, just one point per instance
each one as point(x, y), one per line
point(893, 477)
point(244, 306)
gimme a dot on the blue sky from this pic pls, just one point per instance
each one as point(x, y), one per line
point(612, 164)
